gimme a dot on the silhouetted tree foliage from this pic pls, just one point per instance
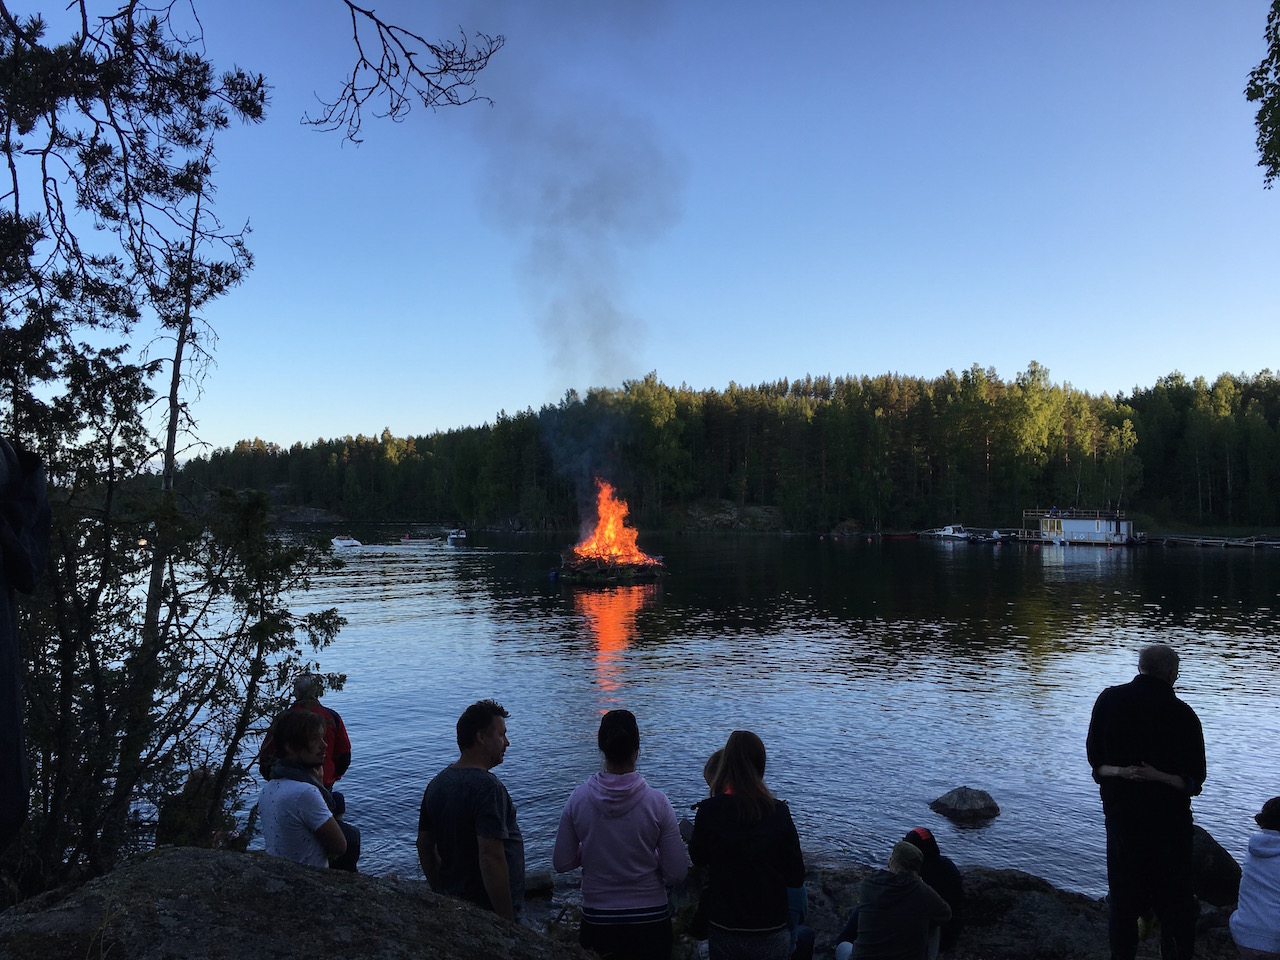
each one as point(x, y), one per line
point(890, 452)
point(1263, 89)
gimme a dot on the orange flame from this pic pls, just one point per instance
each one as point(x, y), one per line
point(611, 618)
point(611, 540)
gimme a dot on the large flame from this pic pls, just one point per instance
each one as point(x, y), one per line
point(612, 541)
point(611, 618)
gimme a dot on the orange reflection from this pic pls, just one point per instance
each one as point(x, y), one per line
point(611, 617)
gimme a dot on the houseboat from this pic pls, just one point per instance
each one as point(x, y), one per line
point(1100, 527)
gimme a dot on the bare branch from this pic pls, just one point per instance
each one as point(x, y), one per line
point(399, 69)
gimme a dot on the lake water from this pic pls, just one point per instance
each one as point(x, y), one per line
point(878, 675)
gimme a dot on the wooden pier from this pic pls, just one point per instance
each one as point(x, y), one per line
point(1181, 540)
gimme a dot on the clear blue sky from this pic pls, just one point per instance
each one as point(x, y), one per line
point(743, 192)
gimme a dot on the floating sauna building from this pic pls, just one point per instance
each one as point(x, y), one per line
point(1104, 527)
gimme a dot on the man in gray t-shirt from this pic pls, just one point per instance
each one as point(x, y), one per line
point(469, 843)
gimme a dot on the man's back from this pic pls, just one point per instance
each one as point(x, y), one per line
point(1144, 722)
point(460, 805)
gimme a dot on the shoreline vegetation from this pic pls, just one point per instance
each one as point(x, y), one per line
point(183, 902)
point(883, 453)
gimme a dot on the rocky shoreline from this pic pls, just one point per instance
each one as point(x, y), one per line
point(178, 903)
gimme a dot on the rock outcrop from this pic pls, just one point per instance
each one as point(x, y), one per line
point(183, 904)
point(1217, 873)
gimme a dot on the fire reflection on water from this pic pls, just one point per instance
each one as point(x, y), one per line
point(610, 614)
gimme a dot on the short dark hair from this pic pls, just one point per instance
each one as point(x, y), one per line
point(619, 736)
point(1159, 660)
point(477, 718)
point(294, 729)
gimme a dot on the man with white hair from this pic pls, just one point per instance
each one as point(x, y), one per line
point(1146, 748)
point(308, 688)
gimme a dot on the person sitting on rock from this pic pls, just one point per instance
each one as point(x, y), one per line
point(896, 911)
point(1255, 926)
point(943, 876)
point(297, 822)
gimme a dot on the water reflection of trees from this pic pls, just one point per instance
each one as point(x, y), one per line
point(916, 599)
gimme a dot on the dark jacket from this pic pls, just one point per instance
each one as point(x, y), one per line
point(895, 914)
point(751, 865)
point(1142, 721)
point(943, 877)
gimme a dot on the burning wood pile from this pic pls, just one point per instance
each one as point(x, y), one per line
point(609, 554)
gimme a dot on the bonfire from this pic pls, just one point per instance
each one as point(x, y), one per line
point(609, 554)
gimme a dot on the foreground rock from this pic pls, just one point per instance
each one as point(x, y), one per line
point(180, 903)
point(183, 904)
point(1014, 916)
point(1217, 873)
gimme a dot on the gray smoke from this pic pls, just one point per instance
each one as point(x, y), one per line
point(579, 180)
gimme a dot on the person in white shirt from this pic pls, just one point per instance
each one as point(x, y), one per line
point(297, 822)
point(1255, 925)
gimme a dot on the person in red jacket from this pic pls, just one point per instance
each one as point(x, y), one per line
point(307, 691)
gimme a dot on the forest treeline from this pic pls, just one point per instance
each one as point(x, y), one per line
point(889, 452)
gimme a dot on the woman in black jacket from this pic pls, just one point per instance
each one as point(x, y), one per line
point(747, 840)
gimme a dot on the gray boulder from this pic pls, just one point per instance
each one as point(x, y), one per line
point(967, 804)
point(1217, 875)
point(183, 903)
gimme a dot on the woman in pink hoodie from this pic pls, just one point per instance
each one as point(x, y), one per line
point(623, 834)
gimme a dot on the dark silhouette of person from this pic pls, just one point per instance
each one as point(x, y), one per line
point(943, 876)
point(24, 545)
point(1146, 748)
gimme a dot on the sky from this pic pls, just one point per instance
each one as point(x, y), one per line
point(740, 192)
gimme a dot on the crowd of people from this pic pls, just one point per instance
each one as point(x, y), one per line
point(1145, 747)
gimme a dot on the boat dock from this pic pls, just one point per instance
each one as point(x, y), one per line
point(1180, 540)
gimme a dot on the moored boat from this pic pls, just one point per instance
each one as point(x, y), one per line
point(952, 531)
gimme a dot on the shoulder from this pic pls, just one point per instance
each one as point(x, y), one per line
point(1118, 691)
point(715, 807)
point(781, 813)
point(292, 791)
point(447, 780)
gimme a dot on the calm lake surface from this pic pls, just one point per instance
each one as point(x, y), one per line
point(878, 675)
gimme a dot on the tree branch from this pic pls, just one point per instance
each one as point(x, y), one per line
point(402, 68)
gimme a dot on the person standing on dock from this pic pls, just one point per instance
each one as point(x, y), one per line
point(469, 843)
point(1146, 748)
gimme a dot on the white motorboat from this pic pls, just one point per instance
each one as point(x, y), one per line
point(456, 537)
point(343, 542)
point(952, 531)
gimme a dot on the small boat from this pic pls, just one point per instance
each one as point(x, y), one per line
point(952, 531)
point(343, 542)
point(456, 537)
